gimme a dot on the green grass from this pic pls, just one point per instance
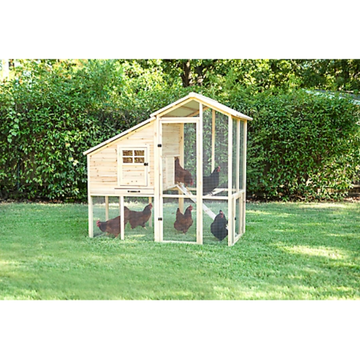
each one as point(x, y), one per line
point(289, 251)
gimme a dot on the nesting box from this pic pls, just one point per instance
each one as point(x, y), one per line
point(199, 133)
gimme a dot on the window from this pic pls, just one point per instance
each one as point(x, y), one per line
point(133, 166)
point(133, 156)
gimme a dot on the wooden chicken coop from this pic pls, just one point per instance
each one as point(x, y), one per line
point(202, 135)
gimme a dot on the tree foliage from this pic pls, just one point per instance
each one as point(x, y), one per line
point(49, 116)
point(300, 144)
point(303, 145)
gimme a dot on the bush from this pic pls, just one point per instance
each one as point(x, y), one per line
point(302, 145)
point(49, 116)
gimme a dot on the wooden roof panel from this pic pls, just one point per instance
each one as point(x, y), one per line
point(185, 107)
point(194, 97)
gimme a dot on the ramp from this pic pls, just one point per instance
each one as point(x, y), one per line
point(193, 198)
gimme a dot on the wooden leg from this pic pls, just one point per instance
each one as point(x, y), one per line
point(122, 227)
point(150, 220)
point(239, 215)
point(106, 208)
point(91, 216)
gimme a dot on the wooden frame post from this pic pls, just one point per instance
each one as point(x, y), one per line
point(161, 199)
point(152, 215)
point(106, 208)
point(90, 201)
point(230, 198)
point(157, 196)
point(199, 180)
point(244, 153)
point(239, 214)
point(122, 217)
point(181, 200)
point(91, 216)
point(213, 141)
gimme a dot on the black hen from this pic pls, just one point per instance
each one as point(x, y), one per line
point(218, 227)
point(211, 182)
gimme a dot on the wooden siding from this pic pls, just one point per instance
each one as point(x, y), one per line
point(103, 170)
point(171, 139)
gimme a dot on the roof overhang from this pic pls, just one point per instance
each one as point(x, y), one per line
point(188, 106)
point(185, 107)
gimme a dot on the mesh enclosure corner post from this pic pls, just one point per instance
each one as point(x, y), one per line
point(244, 152)
point(230, 169)
point(90, 200)
point(122, 217)
point(199, 183)
point(90, 216)
point(157, 181)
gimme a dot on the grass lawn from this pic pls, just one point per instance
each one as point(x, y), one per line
point(289, 251)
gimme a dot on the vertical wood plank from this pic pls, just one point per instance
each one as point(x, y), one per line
point(181, 160)
point(240, 213)
point(106, 208)
point(90, 201)
point(161, 200)
point(230, 199)
point(156, 181)
point(91, 216)
point(122, 227)
point(237, 156)
point(199, 174)
point(240, 207)
point(152, 215)
point(159, 185)
point(181, 200)
point(244, 173)
point(213, 138)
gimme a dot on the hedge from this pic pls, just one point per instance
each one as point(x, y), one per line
point(300, 145)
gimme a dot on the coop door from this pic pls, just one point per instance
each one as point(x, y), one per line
point(133, 166)
point(179, 140)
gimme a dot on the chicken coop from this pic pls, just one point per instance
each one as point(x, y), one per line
point(187, 163)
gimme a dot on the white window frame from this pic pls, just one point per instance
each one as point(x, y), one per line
point(122, 165)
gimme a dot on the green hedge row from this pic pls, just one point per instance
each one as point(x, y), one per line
point(47, 119)
point(300, 145)
point(50, 116)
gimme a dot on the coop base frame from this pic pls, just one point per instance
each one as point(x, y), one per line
point(158, 223)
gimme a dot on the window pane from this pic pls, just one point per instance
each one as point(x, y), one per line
point(139, 153)
point(139, 160)
point(127, 152)
point(127, 160)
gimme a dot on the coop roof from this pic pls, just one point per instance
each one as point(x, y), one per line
point(185, 107)
point(188, 106)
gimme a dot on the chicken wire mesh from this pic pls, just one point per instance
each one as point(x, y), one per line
point(134, 204)
point(215, 147)
point(215, 154)
point(179, 226)
point(215, 206)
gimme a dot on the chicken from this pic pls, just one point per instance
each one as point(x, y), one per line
point(211, 182)
point(218, 227)
point(112, 226)
point(183, 221)
point(139, 218)
point(182, 175)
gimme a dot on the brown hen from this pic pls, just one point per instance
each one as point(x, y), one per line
point(183, 221)
point(112, 226)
